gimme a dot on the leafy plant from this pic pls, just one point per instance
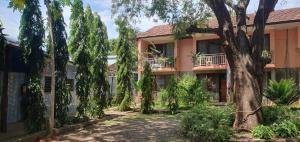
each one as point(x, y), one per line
point(273, 114)
point(284, 92)
point(191, 90)
point(172, 98)
point(124, 70)
point(146, 84)
point(286, 129)
point(263, 132)
point(207, 123)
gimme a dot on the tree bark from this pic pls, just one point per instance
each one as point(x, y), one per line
point(4, 97)
point(244, 56)
point(52, 63)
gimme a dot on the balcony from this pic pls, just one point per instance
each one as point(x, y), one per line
point(161, 63)
point(210, 59)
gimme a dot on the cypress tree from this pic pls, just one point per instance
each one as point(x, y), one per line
point(31, 42)
point(62, 91)
point(100, 44)
point(78, 48)
point(147, 84)
point(124, 64)
point(2, 46)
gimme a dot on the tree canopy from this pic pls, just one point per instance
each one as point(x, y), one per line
point(31, 42)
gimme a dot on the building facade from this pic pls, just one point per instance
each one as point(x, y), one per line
point(16, 79)
point(201, 54)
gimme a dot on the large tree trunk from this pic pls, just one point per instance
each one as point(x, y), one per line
point(244, 55)
point(52, 63)
point(4, 97)
point(248, 96)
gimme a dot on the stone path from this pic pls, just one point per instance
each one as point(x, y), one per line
point(127, 127)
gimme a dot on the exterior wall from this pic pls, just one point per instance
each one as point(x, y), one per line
point(185, 53)
point(71, 72)
point(287, 53)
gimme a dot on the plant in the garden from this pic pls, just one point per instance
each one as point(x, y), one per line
point(283, 92)
point(172, 97)
point(62, 90)
point(80, 52)
point(274, 114)
point(286, 129)
point(146, 85)
point(208, 123)
point(263, 132)
point(99, 45)
point(124, 71)
point(31, 42)
point(192, 91)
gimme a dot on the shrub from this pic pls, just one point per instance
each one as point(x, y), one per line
point(262, 132)
point(192, 91)
point(172, 98)
point(207, 123)
point(272, 114)
point(146, 84)
point(286, 129)
point(284, 92)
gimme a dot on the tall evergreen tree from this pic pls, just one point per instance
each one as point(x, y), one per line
point(4, 87)
point(78, 48)
point(31, 42)
point(2, 45)
point(100, 44)
point(147, 84)
point(124, 64)
point(62, 91)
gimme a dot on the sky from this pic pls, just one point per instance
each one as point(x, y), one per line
point(11, 19)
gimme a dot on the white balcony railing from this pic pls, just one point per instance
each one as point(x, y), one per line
point(210, 59)
point(157, 63)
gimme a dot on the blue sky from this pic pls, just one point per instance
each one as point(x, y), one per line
point(11, 19)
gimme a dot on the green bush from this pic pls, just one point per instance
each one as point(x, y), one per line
point(191, 91)
point(284, 92)
point(207, 123)
point(286, 129)
point(263, 132)
point(172, 98)
point(146, 84)
point(273, 114)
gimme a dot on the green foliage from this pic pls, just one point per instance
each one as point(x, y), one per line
point(80, 52)
point(99, 46)
point(208, 123)
point(180, 14)
point(147, 83)
point(124, 71)
point(273, 114)
point(286, 129)
point(62, 91)
point(263, 132)
point(2, 46)
point(284, 92)
point(172, 95)
point(191, 90)
point(31, 42)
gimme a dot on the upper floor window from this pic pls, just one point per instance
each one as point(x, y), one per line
point(161, 50)
point(209, 46)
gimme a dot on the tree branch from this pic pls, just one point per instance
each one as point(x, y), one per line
point(264, 9)
point(195, 29)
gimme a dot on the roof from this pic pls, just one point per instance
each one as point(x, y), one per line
point(276, 17)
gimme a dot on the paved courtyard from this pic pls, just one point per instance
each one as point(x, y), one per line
point(128, 127)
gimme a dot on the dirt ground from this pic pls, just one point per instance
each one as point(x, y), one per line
point(127, 127)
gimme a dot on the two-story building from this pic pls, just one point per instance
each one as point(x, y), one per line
point(201, 54)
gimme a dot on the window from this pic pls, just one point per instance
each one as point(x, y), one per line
point(267, 42)
point(161, 50)
point(47, 87)
point(70, 83)
point(209, 46)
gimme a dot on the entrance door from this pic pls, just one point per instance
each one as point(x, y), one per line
point(223, 90)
